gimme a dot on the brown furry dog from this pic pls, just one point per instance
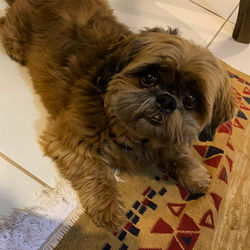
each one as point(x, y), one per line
point(115, 98)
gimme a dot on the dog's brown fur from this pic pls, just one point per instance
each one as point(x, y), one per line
point(85, 64)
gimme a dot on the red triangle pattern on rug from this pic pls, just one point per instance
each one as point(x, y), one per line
point(223, 175)
point(246, 91)
point(176, 209)
point(238, 98)
point(207, 220)
point(242, 106)
point(188, 240)
point(224, 129)
point(214, 161)
point(237, 123)
point(162, 227)
point(201, 149)
point(217, 201)
point(174, 245)
point(187, 224)
point(240, 79)
point(182, 191)
point(237, 95)
point(229, 144)
point(230, 162)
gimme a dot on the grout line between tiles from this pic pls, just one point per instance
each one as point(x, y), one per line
point(222, 26)
point(24, 170)
point(208, 10)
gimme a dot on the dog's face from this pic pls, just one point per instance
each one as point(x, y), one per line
point(166, 89)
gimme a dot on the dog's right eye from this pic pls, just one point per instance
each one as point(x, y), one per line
point(149, 79)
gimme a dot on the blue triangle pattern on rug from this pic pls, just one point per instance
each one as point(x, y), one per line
point(213, 151)
point(187, 240)
point(241, 115)
point(247, 99)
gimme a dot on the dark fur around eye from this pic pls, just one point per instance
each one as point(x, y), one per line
point(149, 78)
point(191, 99)
point(148, 75)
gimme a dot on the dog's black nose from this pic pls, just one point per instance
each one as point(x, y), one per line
point(166, 102)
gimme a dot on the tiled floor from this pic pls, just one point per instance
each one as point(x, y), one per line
point(219, 7)
point(22, 115)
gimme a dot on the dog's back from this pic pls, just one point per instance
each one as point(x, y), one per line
point(56, 39)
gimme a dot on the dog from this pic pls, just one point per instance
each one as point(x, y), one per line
point(116, 98)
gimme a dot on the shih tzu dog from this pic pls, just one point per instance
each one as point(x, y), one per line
point(116, 98)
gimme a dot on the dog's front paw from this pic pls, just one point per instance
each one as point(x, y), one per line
point(111, 217)
point(196, 180)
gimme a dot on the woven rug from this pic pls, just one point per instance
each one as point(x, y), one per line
point(162, 215)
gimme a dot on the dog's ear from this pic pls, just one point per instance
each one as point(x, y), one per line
point(223, 109)
point(118, 56)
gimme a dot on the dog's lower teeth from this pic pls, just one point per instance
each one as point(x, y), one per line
point(157, 118)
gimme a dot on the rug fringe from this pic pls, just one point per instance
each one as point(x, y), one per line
point(52, 215)
point(62, 229)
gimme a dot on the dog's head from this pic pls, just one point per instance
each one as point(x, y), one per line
point(165, 88)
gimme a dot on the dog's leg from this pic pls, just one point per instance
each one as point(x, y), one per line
point(15, 30)
point(82, 165)
point(180, 165)
point(98, 193)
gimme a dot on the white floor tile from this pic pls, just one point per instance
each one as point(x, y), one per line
point(194, 22)
point(22, 119)
point(228, 50)
point(17, 190)
point(222, 7)
point(233, 18)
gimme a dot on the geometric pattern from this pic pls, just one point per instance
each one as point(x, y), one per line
point(207, 220)
point(183, 192)
point(162, 227)
point(174, 245)
point(229, 144)
point(188, 224)
point(241, 115)
point(217, 201)
point(224, 129)
point(214, 161)
point(247, 99)
point(187, 240)
point(176, 209)
point(223, 175)
point(246, 91)
point(243, 106)
point(213, 151)
point(237, 123)
point(201, 149)
point(230, 162)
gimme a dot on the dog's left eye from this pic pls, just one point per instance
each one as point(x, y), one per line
point(149, 79)
point(190, 100)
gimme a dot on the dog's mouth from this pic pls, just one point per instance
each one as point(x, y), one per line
point(155, 120)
